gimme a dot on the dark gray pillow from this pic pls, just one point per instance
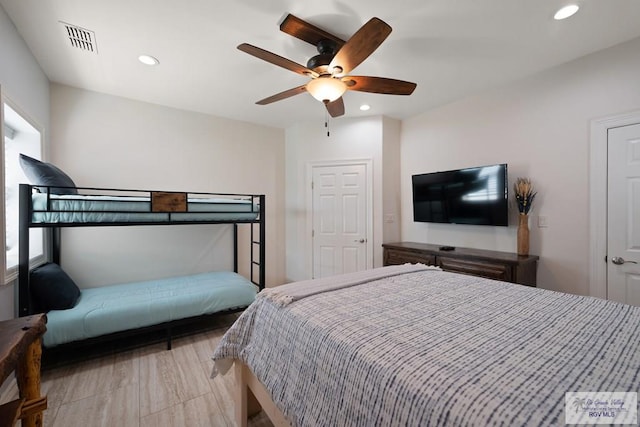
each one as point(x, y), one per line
point(52, 288)
point(40, 173)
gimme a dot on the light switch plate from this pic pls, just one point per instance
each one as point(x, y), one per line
point(543, 221)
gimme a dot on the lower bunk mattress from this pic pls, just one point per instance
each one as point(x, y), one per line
point(116, 308)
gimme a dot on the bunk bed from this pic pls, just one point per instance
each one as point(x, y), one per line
point(54, 207)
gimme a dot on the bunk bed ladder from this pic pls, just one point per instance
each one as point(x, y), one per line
point(258, 250)
point(258, 247)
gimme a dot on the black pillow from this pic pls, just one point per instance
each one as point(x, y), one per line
point(40, 173)
point(52, 288)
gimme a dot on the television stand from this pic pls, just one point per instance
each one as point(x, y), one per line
point(505, 266)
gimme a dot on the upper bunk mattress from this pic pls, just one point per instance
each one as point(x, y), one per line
point(115, 308)
point(79, 209)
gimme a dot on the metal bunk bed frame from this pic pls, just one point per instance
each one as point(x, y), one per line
point(257, 237)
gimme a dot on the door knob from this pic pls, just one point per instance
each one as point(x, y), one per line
point(360, 241)
point(619, 261)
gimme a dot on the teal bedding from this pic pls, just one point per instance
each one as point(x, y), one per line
point(116, 308)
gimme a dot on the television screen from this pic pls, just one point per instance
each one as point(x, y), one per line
point(475, 195)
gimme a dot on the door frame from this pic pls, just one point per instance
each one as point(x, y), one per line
point(598, 197)
point(368, 164)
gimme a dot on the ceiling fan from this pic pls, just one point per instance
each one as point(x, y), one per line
point(329, 70)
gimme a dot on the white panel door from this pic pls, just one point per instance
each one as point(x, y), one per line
point(623, 215)
point(339, 219)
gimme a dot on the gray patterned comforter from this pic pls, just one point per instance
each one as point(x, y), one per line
point(433, 348)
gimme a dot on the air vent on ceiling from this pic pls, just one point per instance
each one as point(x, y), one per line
point(81, 37)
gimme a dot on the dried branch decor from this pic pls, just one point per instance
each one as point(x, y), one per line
point(524, 194)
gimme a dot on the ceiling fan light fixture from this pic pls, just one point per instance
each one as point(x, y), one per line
point(326, 88)
point(329, 70)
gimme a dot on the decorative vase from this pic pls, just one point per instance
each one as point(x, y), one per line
point(523, 234)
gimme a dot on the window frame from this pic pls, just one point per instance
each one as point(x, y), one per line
point(9, 274)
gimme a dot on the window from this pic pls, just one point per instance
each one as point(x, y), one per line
point(20, 136)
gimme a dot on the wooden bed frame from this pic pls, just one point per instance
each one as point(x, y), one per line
point(251, 396)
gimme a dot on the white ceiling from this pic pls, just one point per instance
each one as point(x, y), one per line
point(450, 48)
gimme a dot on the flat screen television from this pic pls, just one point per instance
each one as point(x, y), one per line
point(476, 195)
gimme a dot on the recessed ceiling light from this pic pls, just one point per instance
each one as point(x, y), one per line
point(148, 60)
point(566, 12)
point(365, 107)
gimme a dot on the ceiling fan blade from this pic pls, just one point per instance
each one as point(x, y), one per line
point(362, 44)
point(283, 95)
point(309, 33)
point(336, 108)
point(274, 59)
point(379, 85)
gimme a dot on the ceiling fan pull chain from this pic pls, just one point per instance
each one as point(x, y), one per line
point(326, 122)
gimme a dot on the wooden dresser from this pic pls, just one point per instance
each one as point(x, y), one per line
point(506, 266)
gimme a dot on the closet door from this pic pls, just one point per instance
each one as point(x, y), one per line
point(340, 219)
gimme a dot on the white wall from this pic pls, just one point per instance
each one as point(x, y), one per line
point(540, 127)
point(107, 141)
point(24, 84)
point(351, 139)
point(391, 150)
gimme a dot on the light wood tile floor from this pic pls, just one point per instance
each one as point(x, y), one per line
point(144, 387)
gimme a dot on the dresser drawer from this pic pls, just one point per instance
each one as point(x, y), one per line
point(396, 257)
point(505, 266)
point(476, 268)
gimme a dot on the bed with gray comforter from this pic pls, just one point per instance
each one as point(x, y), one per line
point(428, 348)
